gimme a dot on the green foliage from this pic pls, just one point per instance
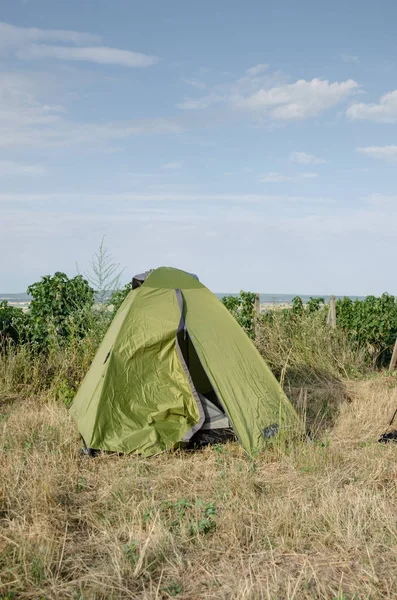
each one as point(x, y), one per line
point(13, 323)
point(371, 322)
point(64, 392)
point(314, 305)
point(172, 589)
point(199, 518)
point(205, 522)
point(60, 309)
point(366, 329)
point(131, 551)
point(297, 312)
point(297, 306)
point(117, 298)
point(310, 308)
point(242, 307)
point(175, 511)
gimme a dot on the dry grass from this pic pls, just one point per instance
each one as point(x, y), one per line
point(317, 521)
point(56, 375)
point(306, 349)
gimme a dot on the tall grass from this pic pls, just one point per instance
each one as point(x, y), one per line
point(305, 348)
point(312, 362)
point(25, 371)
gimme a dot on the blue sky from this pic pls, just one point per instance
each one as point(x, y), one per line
point(252, 143)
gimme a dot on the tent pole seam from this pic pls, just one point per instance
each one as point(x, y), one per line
point(185, 367)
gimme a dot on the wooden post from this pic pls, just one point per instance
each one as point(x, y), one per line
point(393, 361)
point(257, 305)
point(331, 319)
point(257, 314)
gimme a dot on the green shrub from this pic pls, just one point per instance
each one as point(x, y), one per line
point(242, 307)
point(372, 323)
point(61, 309)
point(13, 324)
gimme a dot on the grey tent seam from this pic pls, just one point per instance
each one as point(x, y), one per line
point(181, 326)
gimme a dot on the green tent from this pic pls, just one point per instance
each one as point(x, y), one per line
point(173, 366)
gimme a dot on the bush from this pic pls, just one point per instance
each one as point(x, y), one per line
point(13, 324)
point(242, 307)
point(61, 309)
point(372, 323)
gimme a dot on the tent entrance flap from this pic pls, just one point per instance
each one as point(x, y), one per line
point(215, 417)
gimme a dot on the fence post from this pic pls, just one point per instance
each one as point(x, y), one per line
point(257, 308)
point(331, 319)
point(257, 305)
point(393, 361)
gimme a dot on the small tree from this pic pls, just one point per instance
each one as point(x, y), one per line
point(105, 274)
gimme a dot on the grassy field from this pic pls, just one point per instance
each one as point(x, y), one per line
point(315, 520)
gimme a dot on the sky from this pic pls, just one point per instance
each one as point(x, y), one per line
point(253, 143)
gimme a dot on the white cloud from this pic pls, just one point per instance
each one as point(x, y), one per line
point(21, 112)
point(308, 176)
point(26, 120)
point(230, 92)
point(24, 43)
point(257, 69)
point(172, 166)
point(383, 202)
point(299, 100)
point(99, 200)
point(96, 54)
point(384, 112)
point(302, 158)
point(10, 168)
point(201, 103)
point(275, 177)
point(267, 94)
point(11, 36)
point(387, 153)
point(196, 83)
point(350, 58)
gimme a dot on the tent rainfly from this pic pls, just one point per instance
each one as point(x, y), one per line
point(174, 365)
